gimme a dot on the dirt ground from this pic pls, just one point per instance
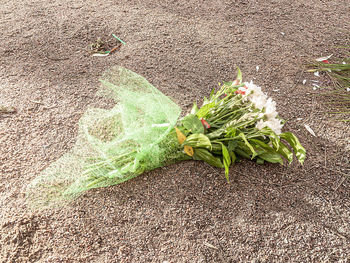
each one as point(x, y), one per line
point(185, 212)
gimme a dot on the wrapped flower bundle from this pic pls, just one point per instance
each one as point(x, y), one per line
point(238, 121)
point(143, 132)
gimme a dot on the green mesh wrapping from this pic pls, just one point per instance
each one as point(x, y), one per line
point(113, 145)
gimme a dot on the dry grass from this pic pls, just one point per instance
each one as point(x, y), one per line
point(337, 94)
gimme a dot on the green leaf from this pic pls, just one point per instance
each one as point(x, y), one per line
point(242, 153)
point(228, 83)
point(203, 111)
point(231, 132)
point(248, 144)
point(206, 156)
point(259, 161)
point(216, 147)
point(194, 108)
point(270, 154)
point(205, 101)
point(227, 161)
point(271, 157)
point(198, 140)
point(239, 75)
point(285, 152)
point(212, 93)
point(193, 124)
point(263, 145)
point(275, 139)
point(232, 145)
point(293, 141)
point(215, 134)
point(233, 156)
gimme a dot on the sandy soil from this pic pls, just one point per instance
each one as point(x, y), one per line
point(185, 212)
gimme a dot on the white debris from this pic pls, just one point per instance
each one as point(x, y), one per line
point(317, 74)
point(307, 127)
point(283, 33)
point(304, 81)
point(209, 245)
point(324, 58)
point(299, 119)
point(257, 68)
point(100, 55)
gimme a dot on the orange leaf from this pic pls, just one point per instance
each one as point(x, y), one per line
point(180, 136)
point(189, 150)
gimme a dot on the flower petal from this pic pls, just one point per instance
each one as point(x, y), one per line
point(321, 59)
point(205, 123)
point(307, 127)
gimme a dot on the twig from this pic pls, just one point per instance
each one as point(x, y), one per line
point(221, 250)
point(57, 59)
point(342, 181)
point(211, 167)
point(76, 7)
point(115, 49)
point(336, 232)
point(325, 152)
point(298, 80)
point(346, 176)
point(6, 110)
point(340, 172)
point(49, 107)
point(335, 210)
point(37, 102)
point(121, 41)
point(210, 245)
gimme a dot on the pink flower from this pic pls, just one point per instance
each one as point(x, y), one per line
point(205, 123)
point(242, 92)
point(235, 83)
point(324, 59)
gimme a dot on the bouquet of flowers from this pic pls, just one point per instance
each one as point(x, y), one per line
point(143, 132)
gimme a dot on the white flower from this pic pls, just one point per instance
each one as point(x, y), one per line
point(266, 105)
point(260, 125)
point(270, 109)
point(255, 95)
point(253, 89)
point(248, 116)
point(261, 115)
point(274, 124)
point(259, 101)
